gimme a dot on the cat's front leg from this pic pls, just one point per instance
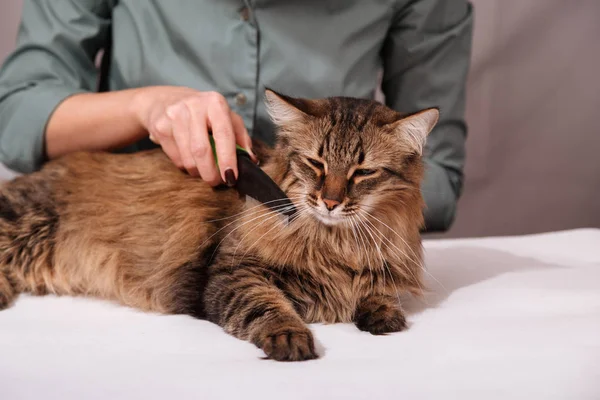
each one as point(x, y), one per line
point(380, 314)
point(250, 307)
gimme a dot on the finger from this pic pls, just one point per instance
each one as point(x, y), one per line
point(219, 118)
point(242, 137)
point(201, 149)
point(180, 119)
point(160, 128)
point(163, 135)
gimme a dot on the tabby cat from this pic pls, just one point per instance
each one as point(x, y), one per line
point(135, 229)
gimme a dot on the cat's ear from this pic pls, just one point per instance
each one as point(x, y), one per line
point(414, 128)
point(285, 110)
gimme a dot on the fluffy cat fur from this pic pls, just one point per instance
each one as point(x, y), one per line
point(134, 229)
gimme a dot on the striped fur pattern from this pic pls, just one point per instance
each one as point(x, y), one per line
point(134, 229)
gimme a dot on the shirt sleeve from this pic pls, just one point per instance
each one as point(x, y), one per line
point(57, 44)
point(426, 60)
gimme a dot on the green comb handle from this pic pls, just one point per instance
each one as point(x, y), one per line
point(214, 149)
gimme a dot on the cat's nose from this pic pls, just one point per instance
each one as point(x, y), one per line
point(331, 204)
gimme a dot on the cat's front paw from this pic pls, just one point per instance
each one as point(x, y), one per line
point(289, 344)
point(379, 318)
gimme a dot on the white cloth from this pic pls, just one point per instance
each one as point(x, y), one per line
point(507, 318)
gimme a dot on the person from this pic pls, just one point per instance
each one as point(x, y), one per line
point(181, 69)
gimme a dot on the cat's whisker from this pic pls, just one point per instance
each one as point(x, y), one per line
point(419, 264)
point(405, 255)
point(353, 225)
point(385, 265)
point(257, 240)
point(253, 209)
point(300, 210)
point(393, 249)
point(296, 193)
point(365, 240)
point(382, 235)
point(240, 218)
point(252, 230)
point(260, 223)
point(395, 233)
point(241, 225)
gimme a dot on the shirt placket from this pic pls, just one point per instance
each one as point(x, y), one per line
point(245, 101)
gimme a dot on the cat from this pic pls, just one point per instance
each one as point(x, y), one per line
point(135, 229)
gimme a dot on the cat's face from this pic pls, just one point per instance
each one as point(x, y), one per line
point(345, 157)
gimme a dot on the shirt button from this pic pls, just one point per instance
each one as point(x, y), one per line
point(240, 99)
point(245, 14)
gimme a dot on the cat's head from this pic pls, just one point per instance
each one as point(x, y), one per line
point(347, 156)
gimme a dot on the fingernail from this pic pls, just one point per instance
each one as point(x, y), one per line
point(230, 177)
point(253, 156)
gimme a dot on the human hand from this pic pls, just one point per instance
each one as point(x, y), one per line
point(179, 120)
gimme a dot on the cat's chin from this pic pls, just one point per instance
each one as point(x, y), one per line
point(327, 219)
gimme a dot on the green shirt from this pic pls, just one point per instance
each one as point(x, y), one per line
point(310, 48)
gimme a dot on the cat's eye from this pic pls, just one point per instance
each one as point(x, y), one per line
point(364, 172)
point(316, 163)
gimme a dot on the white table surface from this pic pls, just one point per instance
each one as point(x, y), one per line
point(508, 318)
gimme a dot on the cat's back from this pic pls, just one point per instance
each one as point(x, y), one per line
point(96, 168)
point(141, 183)
point(108, 196)
point(89, 179)
point(110, 168)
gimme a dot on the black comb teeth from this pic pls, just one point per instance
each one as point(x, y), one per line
point(254, 182)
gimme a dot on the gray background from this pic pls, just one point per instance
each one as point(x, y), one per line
point(533, 99)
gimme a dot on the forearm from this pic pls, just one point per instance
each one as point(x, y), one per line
point(54, 60)
point(92, 122)
point(440, 195)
